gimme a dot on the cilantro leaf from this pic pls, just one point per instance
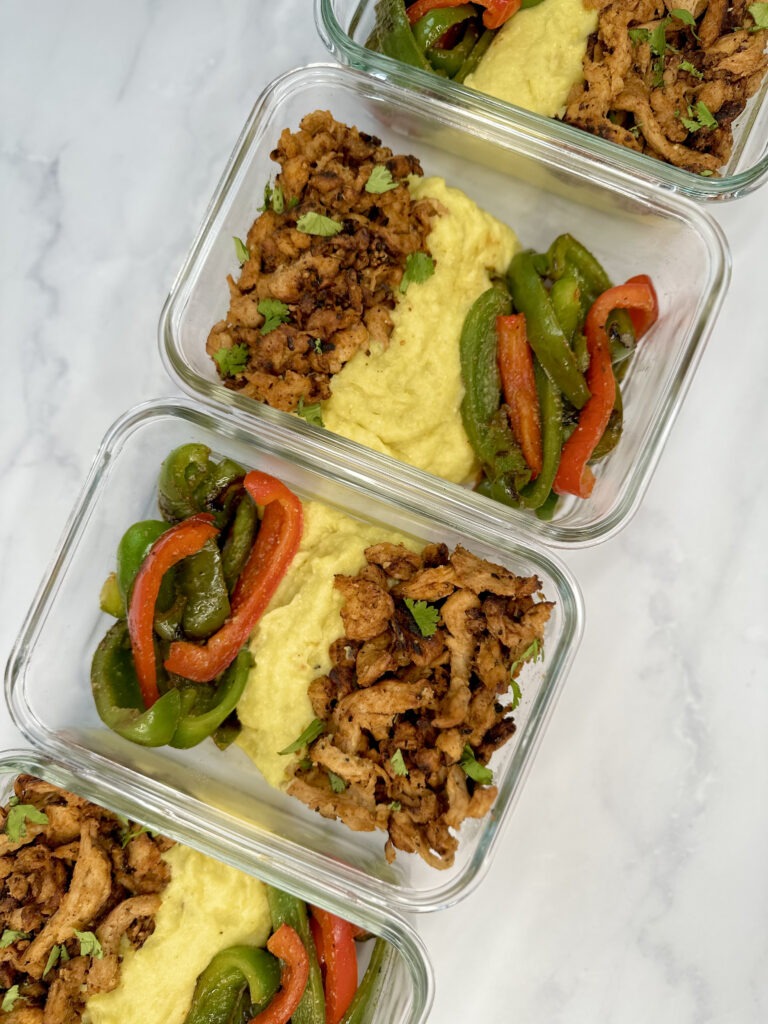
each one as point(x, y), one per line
point(424, 615)
point(232, 361)
point(686, 17)
point(311, 413)
point(274, 312)
point(395, 805)
point(278, 199)
point(380, 180)
point(315, 728)
point(704, 115)
point(129, 833)
point(531, 653)
point(317, 224)
point(58, 953)
point(89, 944)
point(419, 267)
point(517, 693)
point(267, 197)
point(760, 13)
point(398, 763)
point(473, 769)
point(242, 251)
point(18, 816)
point(10, 935)
point(338, 785)
point(9, 999)
point(639, 35)
point(658, 38)
point(317, 345)
point(685, 65)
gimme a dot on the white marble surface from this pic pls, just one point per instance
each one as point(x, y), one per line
point(631, 885)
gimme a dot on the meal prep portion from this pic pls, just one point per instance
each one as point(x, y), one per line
point(105, 922)
point(369, 675)
point(656, 76)
point(389, 308)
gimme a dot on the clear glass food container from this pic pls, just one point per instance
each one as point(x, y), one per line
point(219, 801)
point(530, 182)
point(345, 25)
point(406, 994)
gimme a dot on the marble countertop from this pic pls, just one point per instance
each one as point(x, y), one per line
point(631, 883)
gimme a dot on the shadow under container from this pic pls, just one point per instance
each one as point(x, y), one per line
point(526, 180)
point(346, 25)
point(217, 800)
point(406, 992)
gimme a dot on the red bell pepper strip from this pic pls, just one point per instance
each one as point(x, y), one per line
point(276, 544)
point(186, 538)
point(518, 383)
point(638, 297)
point(286, 944)
point(496, 13)
point(337, 953)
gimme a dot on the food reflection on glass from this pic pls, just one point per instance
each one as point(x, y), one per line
point(105, 922)
point(376, 302)
point(656, 76)
point(369, 675)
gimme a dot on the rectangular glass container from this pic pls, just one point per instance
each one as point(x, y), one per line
point(406, 995)
point(538, 188)
point(219, 801)
point(345, 25)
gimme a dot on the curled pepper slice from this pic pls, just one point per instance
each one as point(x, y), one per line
point(518, 383)
point(335, 942)
point(286, 944)
point(186, 538)
point(276, 545)
point(638, 297)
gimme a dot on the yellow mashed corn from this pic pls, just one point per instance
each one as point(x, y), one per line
point(206, 907)
point(290, 643)
point(404, 399)
point(536, 58)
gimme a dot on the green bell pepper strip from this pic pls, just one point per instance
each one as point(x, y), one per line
point(545, 335)
point(200, 579)
point(132, 550)
point(547, 510)
point(433, 26)
point(565, 297)
point(290, 910)
point(110, 599)
point(239, 541)
point(551, 406)
point(193, 727)
point(217, 998)
point(485, 423)
point(449, 62)
point(117, 696)
point(476, 54)
point(359, 1009)
point(612, 432)
point(393, 37)
point(190, 482)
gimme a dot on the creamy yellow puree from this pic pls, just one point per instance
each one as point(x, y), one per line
point(404, 399)
point(290, 643)
point(206, 907)
point(536, 58)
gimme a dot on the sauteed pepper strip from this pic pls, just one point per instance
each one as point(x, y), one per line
point(276, 545)
point(638, 297)
point(335, 943)
point(221, 989)
point(518, 383)
point(186, 538)
point(286, 944)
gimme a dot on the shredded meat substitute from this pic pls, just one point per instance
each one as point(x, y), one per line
point(659, 85)
point(83, 870)
point(395, 694)
point(338, 289)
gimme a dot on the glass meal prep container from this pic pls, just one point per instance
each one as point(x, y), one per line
point(346, 25)
point(404, 994)
point(218, 800)
point(529, 182)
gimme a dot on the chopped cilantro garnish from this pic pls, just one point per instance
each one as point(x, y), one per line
point(531, 653)
point(419, 267)
point(18, 816)
point(232, 361)
point(10, 935)
point(424, 615)
point(760, 13)
point(639, 35)
point(473, 769)
point(395, 805)
point(338, 785)
point(398, 763)
point(685, 65)
point(9, 999)
point(317, 345)
point(278, 200)
point(317, 224)
point(315, 728)
point(698, 117)
point(311, 413)
point(658, 38)
point(686, 17)
point(57, 954)
point(380, 180)
point(517, 693)
point(242, 251)
point(274, 312)
point(89, 944)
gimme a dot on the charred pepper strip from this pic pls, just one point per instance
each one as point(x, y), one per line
point(551, 404)
point(368, 989)
point(545, 335)
point(220, 988)
point(290, 910)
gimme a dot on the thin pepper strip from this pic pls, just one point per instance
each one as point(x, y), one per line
point(186, 538)
point(518, 384)
point(574, 476)
point(336, 951)
point(286, 944)
point(276, 544)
